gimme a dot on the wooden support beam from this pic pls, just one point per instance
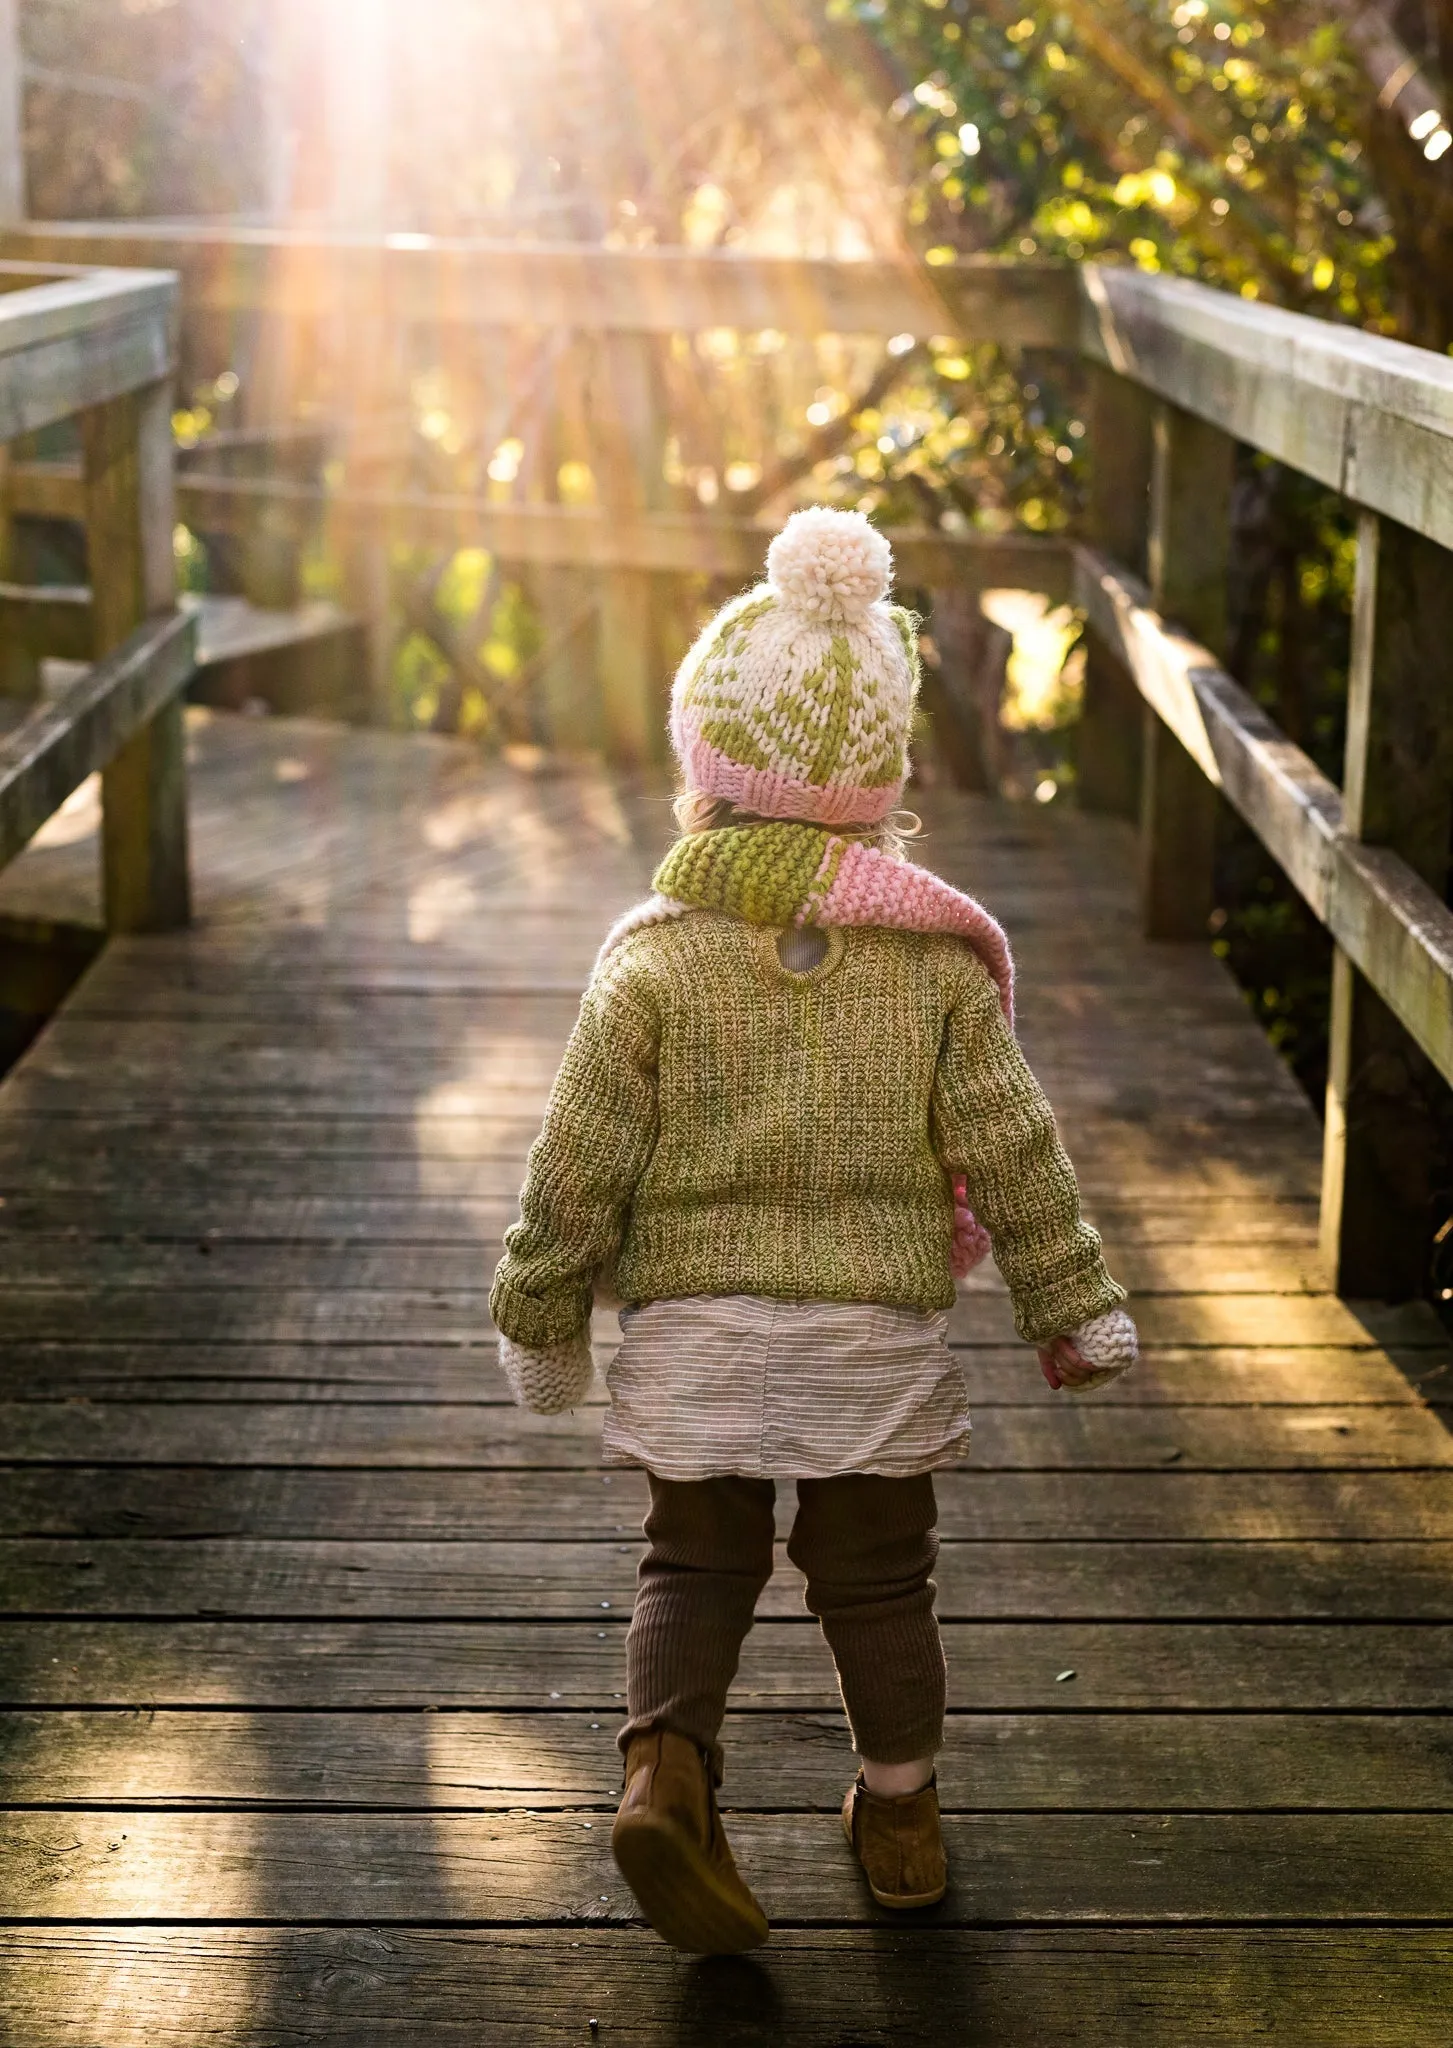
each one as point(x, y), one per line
point(1380, 1155)
point(572, 536)
point(1109, 741)
point(130, 514)
point(462, 282)
point(1190, 510)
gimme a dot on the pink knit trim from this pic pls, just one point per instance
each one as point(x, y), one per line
point(772, 794)
point(872, 888)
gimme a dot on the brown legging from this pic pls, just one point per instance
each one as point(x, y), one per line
point(865, 1546)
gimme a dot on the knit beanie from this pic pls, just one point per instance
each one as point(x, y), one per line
point(796, 699)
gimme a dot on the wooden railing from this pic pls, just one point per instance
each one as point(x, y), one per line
point(99, 346)
point(1179, 375)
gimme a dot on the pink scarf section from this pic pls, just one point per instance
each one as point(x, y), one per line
point(860, 885)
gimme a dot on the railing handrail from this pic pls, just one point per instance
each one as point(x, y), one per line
point(1370, 417)
point(80, 339)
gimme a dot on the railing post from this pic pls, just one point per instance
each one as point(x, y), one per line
point(1379, 1161)
point(19, 667)
point(127, 452)
point(1190, 514)
point(1108, 743)
point(12, 150)
point(632, 437)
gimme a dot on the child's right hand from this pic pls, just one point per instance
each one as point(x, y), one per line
point(1063, 1366)
point(1091, 1356)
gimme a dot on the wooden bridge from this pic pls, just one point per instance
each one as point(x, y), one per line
point(311, 1645)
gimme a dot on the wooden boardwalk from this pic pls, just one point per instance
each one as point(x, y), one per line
point(311, 1648)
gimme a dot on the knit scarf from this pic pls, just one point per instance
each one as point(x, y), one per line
point(784, 874)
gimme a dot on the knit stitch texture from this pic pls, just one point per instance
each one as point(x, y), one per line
point(796, 699)
point(720, 1126)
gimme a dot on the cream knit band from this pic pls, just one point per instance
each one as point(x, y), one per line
point(796, 700)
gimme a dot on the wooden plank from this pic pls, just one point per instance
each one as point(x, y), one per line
point(81, 340)
point(315, 1312)
point(498, 1505)
point(436, 1435)
point(87, 725)
point(1370, 417)
point(162, 1369)
point(170, 1987)
point(561, 535)
point(1073, 1580)
point(1226, 1666)
point(513, 1870)
point(444, 281)
point(1389, 923)
point(487, 1762)
point(212, 1256)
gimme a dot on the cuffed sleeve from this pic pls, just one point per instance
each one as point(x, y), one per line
point(597, 1138)
point(993, 1125)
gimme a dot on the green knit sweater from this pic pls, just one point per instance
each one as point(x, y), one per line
point(719, 1126)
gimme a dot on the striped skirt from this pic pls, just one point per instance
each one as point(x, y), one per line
point(737, 1383)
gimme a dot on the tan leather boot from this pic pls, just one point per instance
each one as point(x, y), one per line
point(898, 1843)
point(672, 1850)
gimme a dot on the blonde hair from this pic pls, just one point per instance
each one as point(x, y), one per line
point(697, 810)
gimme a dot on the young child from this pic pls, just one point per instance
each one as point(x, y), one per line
point(793, 1073)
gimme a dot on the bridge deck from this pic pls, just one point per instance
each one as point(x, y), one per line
point(311, 1648)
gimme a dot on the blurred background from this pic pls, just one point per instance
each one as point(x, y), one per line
point(1289, 152)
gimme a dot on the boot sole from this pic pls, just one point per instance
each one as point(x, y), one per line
point(896, 1902)
point(681, 1894)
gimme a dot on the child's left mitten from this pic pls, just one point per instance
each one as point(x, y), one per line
point(1110, 1343)
point(548, 1378)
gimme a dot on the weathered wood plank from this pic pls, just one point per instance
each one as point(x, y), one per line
point(308, 1502)
point(86, 725)
point(211, 1257)
point(262, 1988)
point(159, 1370)
point(312, 1310)
point(74, 341)
point(1372, 418)
point(1226, 1666)
point(434, 1436)
point(477, 1762)
point(438, 279)
point(1078, 1579)
point(513, 1870)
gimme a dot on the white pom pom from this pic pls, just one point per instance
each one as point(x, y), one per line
point(829, 565)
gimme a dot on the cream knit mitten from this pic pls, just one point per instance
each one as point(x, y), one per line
point(551, 1379)
point(1108, 1342)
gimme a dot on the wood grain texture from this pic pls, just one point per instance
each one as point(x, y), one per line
point(482, 1761)
point(1239, 1667)
point(263, 1500)
point(1187, 1988)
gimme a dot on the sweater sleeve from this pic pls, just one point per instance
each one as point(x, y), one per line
point(993, 1125)
point(598, 1135)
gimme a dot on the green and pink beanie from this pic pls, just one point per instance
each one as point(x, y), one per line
point(796, 700)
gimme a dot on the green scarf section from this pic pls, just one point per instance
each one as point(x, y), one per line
point(766, 874)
